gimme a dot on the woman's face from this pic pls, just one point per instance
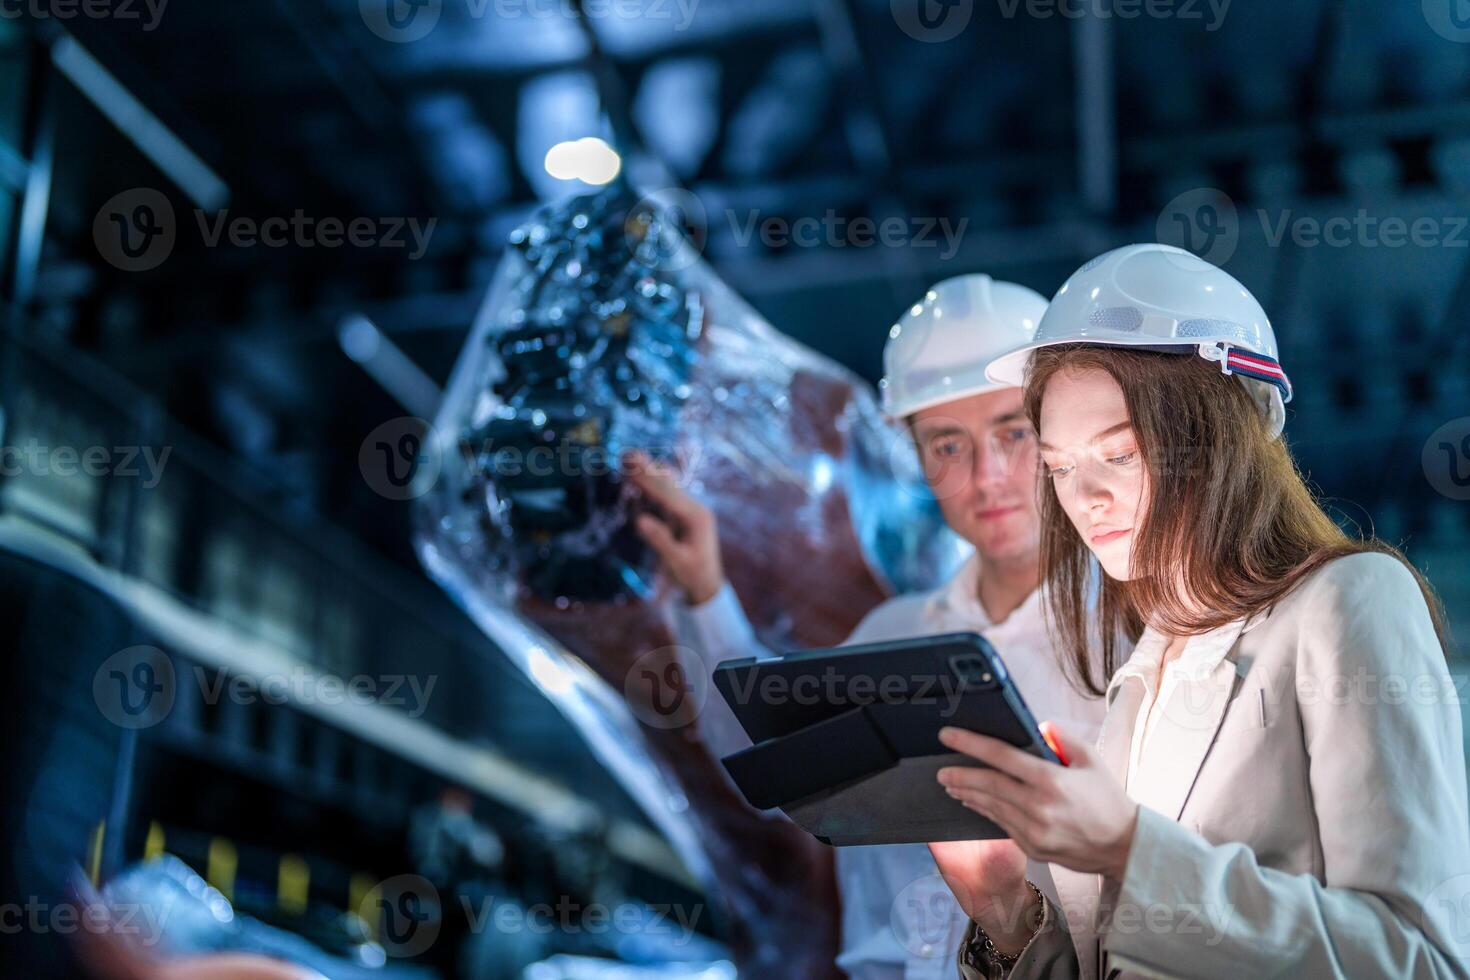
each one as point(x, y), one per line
point(1091, 456)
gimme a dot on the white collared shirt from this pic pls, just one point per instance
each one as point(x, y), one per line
point(1177, 712)
point(899, 919)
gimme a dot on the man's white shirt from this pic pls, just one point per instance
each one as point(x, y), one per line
point(899, 919)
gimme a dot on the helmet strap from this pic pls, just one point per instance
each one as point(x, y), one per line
point(1248, 364)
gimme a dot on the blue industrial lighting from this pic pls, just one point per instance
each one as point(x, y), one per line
point(558, 108)
point(588, 159)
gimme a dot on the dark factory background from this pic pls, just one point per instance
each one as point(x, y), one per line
point(189, 406)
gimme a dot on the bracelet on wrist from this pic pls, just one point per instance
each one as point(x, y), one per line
point(990, 952)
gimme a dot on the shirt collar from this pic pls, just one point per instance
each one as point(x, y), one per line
point(961, 594)
point(1203, 652)
point(961, 597)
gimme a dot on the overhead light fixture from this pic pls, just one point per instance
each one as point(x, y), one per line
point(588, 159)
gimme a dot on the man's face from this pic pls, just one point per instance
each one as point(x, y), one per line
point(980, 459)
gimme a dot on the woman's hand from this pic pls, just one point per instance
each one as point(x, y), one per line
point(988, 878)
point(1076, 815)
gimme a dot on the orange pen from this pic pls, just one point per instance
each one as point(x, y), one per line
point(1051, 740)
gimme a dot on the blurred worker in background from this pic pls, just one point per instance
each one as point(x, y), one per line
point(979, 456)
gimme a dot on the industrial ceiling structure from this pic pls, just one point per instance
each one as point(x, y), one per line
point(1286, 142)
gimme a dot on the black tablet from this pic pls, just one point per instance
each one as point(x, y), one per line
point(847, 739)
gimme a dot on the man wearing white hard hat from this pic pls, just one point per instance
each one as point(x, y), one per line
point(899, 920)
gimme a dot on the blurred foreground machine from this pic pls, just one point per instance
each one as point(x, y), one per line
point(604, 332)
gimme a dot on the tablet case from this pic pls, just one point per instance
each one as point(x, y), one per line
point(847, 739)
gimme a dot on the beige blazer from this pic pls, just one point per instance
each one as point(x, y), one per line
point(1323, 831)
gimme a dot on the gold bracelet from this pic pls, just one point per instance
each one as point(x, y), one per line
point(992, 953)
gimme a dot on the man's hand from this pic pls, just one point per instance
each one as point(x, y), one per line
point(687, 542)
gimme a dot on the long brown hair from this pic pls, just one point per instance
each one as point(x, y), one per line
point(1231, 527)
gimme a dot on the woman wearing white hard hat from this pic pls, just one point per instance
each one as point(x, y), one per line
point(1279, 788)
point(899, 921)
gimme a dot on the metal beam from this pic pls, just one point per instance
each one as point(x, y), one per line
point(36, 198)
point(869, 140)
point(152, 138)
point(13, 169)
point(483, 769)
point(1097, 152)
point(867, 136)
point(389, 366)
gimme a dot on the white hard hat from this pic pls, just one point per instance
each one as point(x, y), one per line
point(938, 351)
point(1163, 298)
